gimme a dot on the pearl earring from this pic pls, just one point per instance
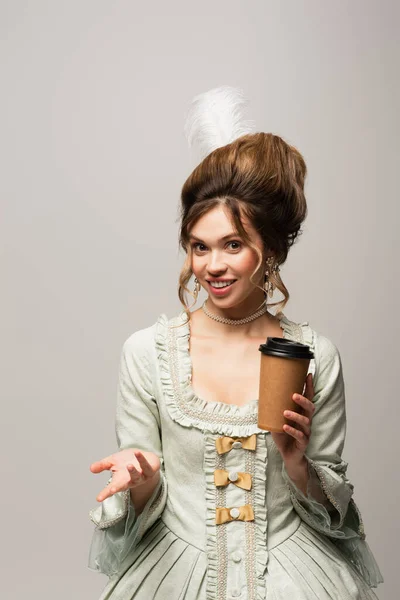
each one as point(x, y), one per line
point(271, 269)
point(197, 288)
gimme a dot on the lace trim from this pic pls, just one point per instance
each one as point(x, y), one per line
point(255, 562)
point(250, 532)
point(153, 507)
point(221, 537)
point(216, 535)
point(184, 406)
point(125, 497)
point(327, 490)
point(332, 499)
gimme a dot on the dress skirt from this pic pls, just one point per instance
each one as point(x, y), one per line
point(306, 566)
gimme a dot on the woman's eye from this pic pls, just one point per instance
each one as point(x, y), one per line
point(196, 244)
point(201, 247)
point(238, 245)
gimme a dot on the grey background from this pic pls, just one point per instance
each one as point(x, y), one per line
point(93, 158)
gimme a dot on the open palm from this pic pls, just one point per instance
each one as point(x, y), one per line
point(130, 468)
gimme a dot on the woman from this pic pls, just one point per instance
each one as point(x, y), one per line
point(202, 504)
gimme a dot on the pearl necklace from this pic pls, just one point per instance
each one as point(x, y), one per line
point(251, 317)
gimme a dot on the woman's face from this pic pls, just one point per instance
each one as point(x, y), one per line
point(220, 254)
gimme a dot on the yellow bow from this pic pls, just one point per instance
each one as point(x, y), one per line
point(222, 477)
point(224, 515)
point(224, 444)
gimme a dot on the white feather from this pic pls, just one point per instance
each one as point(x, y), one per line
point(215, 119)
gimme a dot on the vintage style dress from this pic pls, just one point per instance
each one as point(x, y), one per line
point(226, 522)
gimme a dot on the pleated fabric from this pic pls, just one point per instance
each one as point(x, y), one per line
point(164, 567)
point(306, 566)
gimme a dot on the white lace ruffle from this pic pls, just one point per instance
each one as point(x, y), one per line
point(255, 532)
point(184, 406)
point(118, 530)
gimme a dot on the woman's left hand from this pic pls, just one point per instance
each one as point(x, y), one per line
point(292, 443)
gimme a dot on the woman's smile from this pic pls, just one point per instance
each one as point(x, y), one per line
point(220, 288)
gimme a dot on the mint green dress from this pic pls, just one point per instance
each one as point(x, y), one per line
point(288, 546)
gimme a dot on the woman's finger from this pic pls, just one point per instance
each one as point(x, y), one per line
point(301, 420)
point(296, 433)
point(147, 469)
point(309, 392)
point(114, 486)
point(134, 473)
point(304, 403)
point(104, 464)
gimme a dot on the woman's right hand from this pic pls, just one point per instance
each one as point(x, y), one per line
point(130, 468)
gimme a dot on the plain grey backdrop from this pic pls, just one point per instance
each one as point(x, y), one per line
point(93, 99)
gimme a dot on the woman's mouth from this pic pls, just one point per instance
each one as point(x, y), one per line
point(220, 288)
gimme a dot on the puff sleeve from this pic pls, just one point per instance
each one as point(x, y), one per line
point(338, 517)
point(137, 425)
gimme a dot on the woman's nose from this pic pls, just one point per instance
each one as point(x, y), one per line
point(216, 264)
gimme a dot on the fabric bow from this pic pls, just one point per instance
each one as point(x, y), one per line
point(223, 515)
point(221, 478)
point(224, 444)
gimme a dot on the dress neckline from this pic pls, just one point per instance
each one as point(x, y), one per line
point(189, 389)
point(175, 368)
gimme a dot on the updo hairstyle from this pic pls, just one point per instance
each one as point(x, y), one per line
point(258, 175)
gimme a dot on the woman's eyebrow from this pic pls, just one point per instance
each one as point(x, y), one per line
point(233, 234)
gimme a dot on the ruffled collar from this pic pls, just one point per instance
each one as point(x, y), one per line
point(184, 406)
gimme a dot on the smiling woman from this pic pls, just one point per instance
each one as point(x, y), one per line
point(202, 504)
point(257, 181)
point(225, 259)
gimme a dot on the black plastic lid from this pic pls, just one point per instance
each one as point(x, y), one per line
point(284, 348)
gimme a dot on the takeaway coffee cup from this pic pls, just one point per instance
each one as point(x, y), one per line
point(283, 372)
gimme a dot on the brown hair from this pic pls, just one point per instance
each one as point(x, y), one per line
point(259, 175)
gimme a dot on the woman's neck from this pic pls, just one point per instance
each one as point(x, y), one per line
point(267, 325)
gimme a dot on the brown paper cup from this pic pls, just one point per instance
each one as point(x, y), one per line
point(280, 378)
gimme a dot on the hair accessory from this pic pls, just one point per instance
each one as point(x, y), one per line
point(196, 289)
point(272, 268)
point(215, 119)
